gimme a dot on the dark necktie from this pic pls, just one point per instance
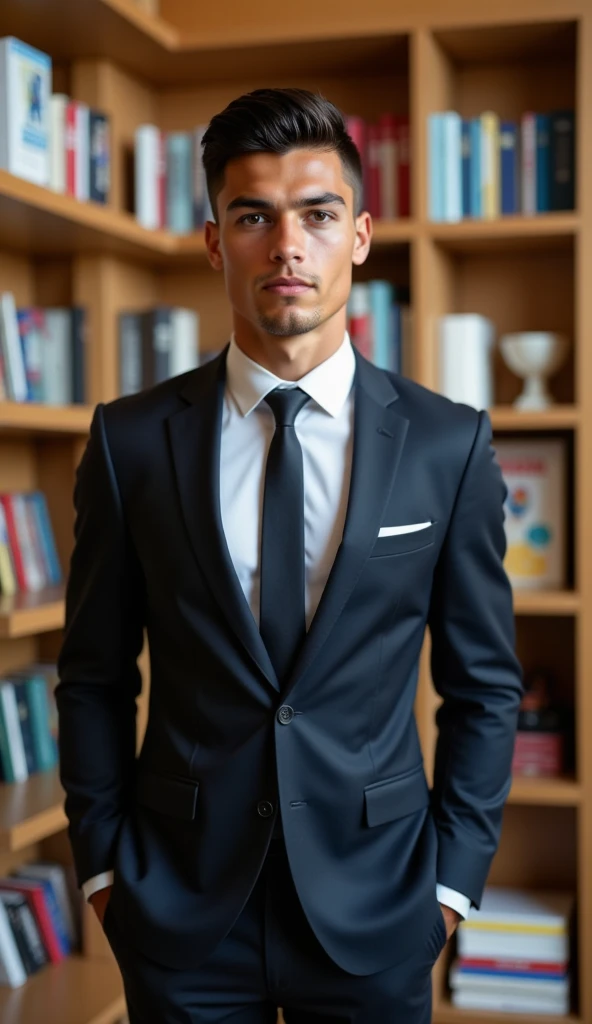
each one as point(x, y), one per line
point(282, 608)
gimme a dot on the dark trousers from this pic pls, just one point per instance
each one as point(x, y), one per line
point(272, 958)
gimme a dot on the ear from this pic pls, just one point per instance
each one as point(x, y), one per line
point(363, 238)
point(213, 245)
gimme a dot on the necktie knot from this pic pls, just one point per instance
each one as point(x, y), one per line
point(286, 403)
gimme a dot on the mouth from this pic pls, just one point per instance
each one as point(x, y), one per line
point(287, 286)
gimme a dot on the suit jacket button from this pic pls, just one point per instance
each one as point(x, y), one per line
point(285, 714)
point(265, 809)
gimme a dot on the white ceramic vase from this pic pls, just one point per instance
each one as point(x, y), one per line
point(535, 356)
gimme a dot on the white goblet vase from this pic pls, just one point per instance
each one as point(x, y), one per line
point(534, 355)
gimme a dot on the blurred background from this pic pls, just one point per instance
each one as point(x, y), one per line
point(474, 126)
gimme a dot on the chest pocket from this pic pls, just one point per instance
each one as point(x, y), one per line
point(404, 543)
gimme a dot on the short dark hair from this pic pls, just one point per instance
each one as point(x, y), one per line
point(276, 121)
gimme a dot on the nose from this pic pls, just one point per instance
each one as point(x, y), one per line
point(287, 241)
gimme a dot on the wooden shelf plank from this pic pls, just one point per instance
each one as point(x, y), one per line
point(445, 1013)
point(562, 792)
point(558, 417)
point(77, 991)
point(41, 222)
point(546, 602)
point(31, 811)
point(511, 232)
point(26, 614)
point(35, 418)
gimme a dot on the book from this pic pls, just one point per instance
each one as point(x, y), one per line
point(147, 149)
point(12, 968)
point(99, 156)
point(518, 924)
point(25, 88)
point(58, 105)
point(37, 898)
point(25, 930)
point(179, 182)
point(535, 476)
point(12, 747)
point(465, 342)
point(562, 160)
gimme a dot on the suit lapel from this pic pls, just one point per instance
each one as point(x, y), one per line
point(379, 436)
point(195, 443)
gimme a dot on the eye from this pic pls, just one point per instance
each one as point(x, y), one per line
point(321, 213)
point(247, 218)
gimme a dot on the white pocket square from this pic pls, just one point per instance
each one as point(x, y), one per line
point(394, 531)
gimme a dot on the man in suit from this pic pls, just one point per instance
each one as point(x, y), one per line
point(284, 522)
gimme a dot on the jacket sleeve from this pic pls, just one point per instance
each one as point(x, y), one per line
point(476, 673)
point(99, 678)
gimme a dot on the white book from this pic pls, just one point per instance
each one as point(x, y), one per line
point(57, 141)
point(25, 88)
point(502, 1003)
point(184, 351)
point(491, 984)
point(147, 161)
point(82, 162)
point(535, 521)
point(57, 357)
point(452, 165)
point(14, 732)
point(14, 362)
point(518, 924)
point(465, 343)
point(12, 969)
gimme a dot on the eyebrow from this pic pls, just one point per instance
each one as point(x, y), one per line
point(265, 204)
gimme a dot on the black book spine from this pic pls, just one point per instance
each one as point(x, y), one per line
point(100, 156)
point(562, 191)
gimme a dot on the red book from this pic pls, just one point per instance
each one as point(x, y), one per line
point(374, 163)
point(71, 148)
point(36, 899)
point(556, 968)
point(13, 541)
point(404, 166)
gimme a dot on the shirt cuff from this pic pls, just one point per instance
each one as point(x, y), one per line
point(97, 882)
point(453, 899)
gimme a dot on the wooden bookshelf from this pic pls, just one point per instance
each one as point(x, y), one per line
point(30, 811)
point(26, 614)
point(26, 418)
point(562, 792)
point(523, 272)
point(445, 1013)
point(77, 991)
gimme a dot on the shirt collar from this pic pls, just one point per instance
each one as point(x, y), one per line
point(328, 384)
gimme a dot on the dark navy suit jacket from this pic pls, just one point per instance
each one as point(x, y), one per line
point(186, 823)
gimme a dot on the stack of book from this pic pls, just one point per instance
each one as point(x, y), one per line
point(170, 183)
point(156, 344)
point(48, 139)
point(513, 953)
point(28, 722)
point(379, 324)
point(42, 353)
point(29, 561)
point(38, 920)
point(486, 167)
point(385, 151)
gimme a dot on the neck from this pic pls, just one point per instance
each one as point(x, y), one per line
point(290, 358)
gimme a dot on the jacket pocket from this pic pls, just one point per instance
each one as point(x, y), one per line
point(403, 543)
point(396, 797)
point(163, 793)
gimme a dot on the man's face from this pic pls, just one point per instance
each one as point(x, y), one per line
point(288, 217)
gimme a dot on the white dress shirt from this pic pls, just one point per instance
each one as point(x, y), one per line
point(324, 428)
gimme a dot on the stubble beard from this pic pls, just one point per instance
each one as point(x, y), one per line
point(295, 323)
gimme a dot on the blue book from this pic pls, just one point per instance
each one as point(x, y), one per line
point(24, 714)
point(451, 166)
point(476, 197)
point(543, 163)
point(381, 298)
point(179, 182)
point(466, 167)
point(509, 176)
point(436, 166)
point(38, 503)
point(53, 908)
point(396, 347)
